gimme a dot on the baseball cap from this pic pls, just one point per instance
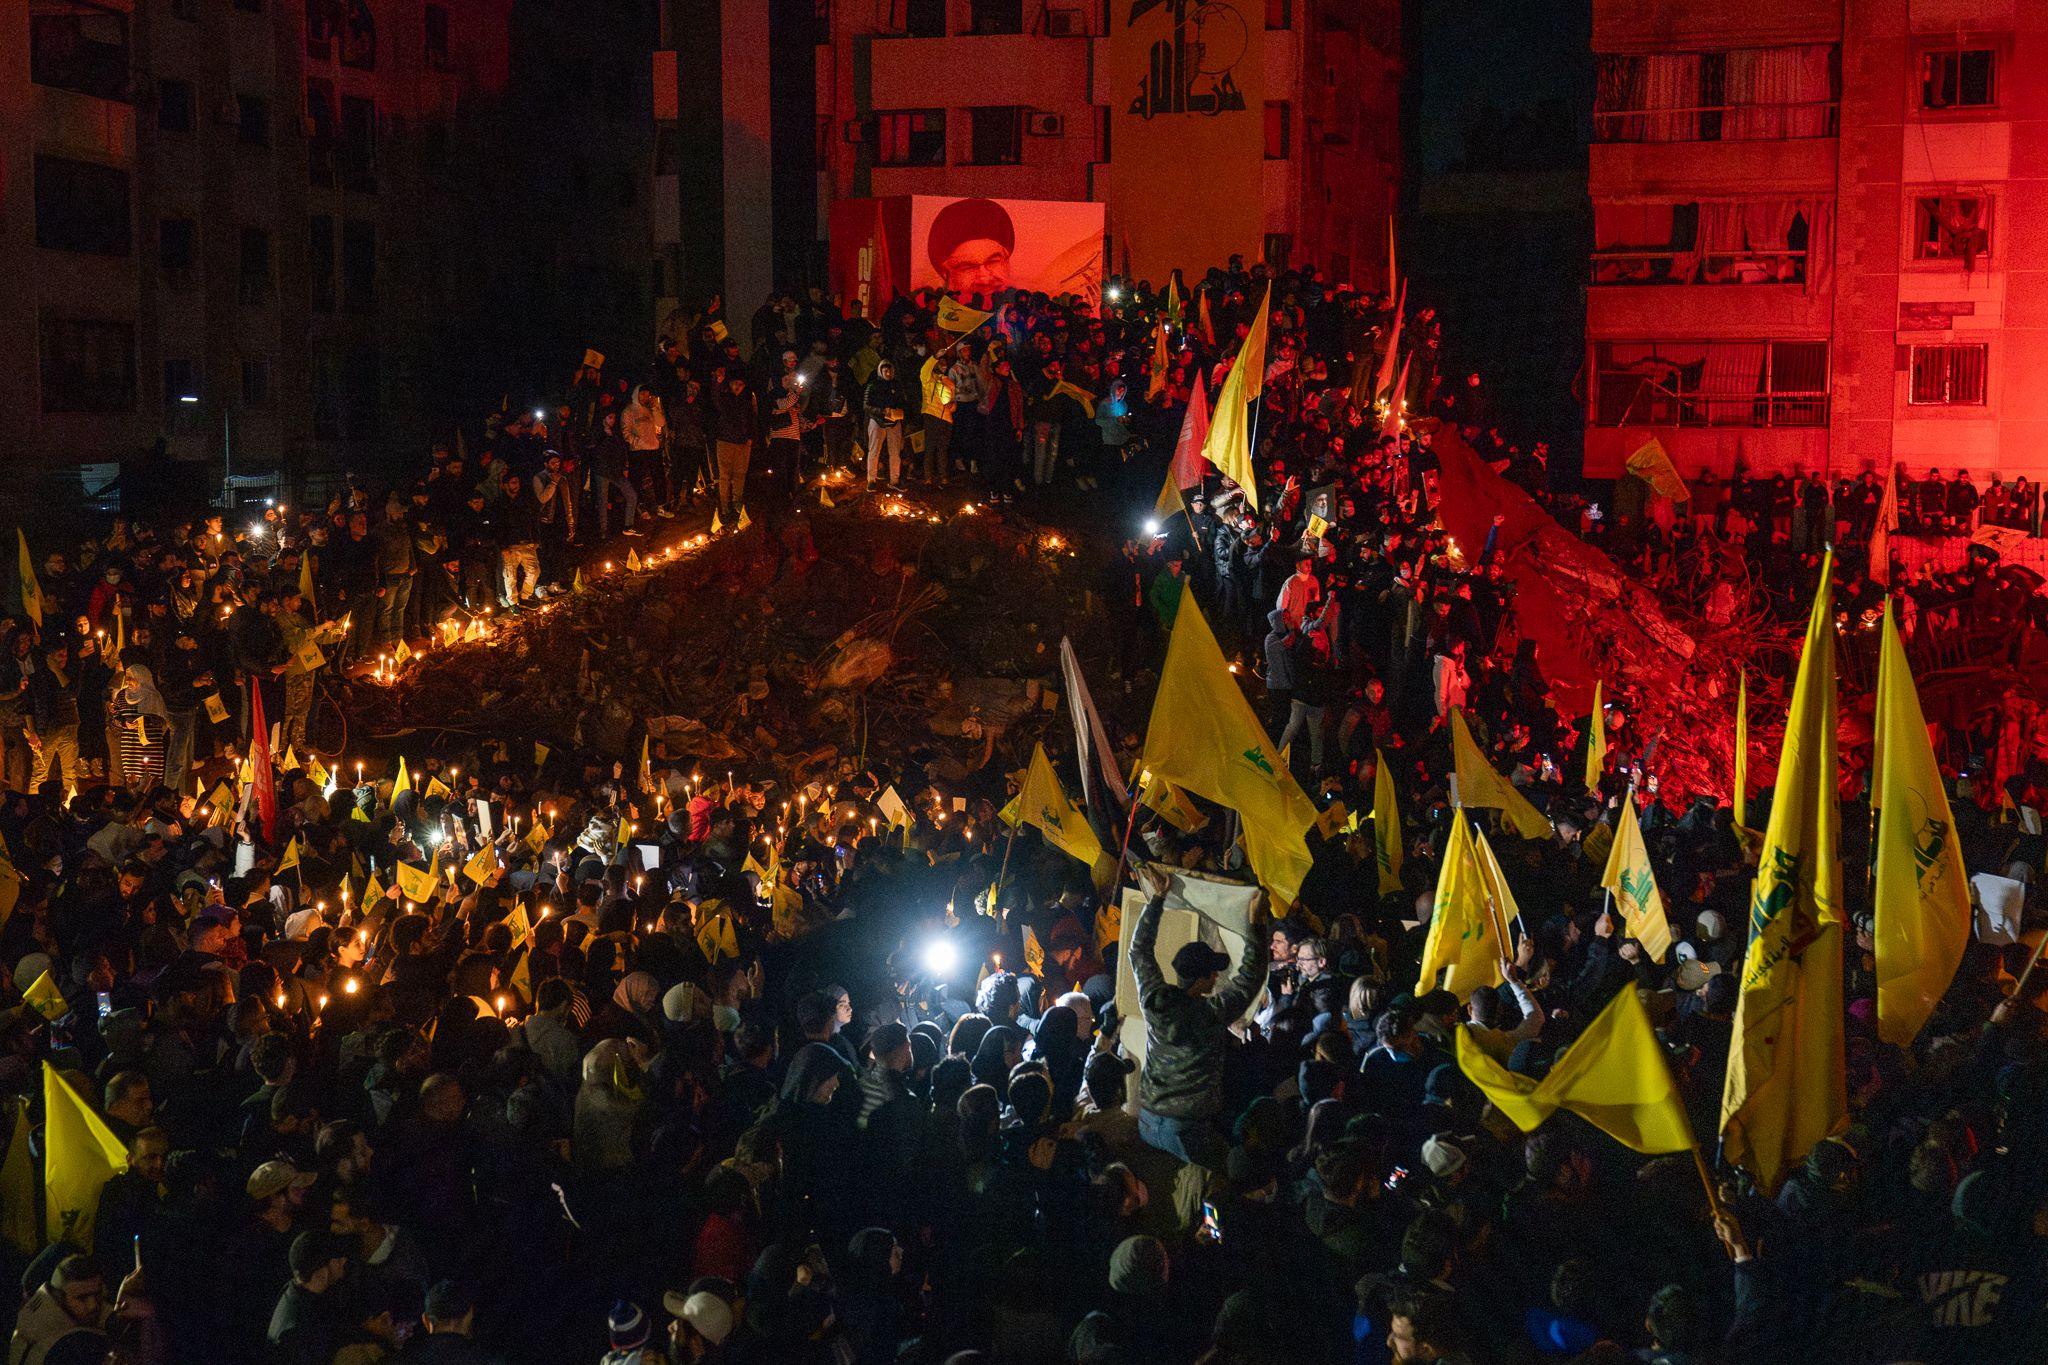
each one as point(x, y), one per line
point(275, 1177)
point(708, 1315)
point(1194, 960)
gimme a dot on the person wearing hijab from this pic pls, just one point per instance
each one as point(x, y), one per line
point(1059, 1045)
point(817, 1136)
point(1002, 1047)
point(143, 723)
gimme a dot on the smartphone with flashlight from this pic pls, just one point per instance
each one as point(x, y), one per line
point(106, 1004)
point(1212, 1227)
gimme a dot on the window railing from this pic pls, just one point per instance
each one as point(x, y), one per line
point(1669, 265)
point(1646, 402)
point(1785, 120)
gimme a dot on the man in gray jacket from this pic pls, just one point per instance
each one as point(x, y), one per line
point(1180, 1092)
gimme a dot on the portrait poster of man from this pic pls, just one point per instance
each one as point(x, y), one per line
point(980, 249)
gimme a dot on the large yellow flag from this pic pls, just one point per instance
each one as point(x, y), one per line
point(1170, 802)
point(1228, 445)
point(1596, 740)
point(1386, 825)
point(1204, 737)
point(1634, 885)
point(1923, 897)
point(18, 1186)
point(1614, 1077)
point(1044, 806)
point(31, 590)
point(1463, 937)
point(80, 1155)
point(1785, 1089)
point(1169, 502)
point(1500, 901)
point(1480, 787)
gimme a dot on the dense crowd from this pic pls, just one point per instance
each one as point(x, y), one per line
point(504, 1053)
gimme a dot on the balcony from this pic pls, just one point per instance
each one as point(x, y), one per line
point(1747, 122)
point(1671, 267)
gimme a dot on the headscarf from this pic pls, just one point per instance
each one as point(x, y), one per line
point(147, 699)
point(991, 1060)
point(638, 994)
point(812, 1066)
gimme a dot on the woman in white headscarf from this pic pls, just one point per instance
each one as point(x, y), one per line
point(144, 723)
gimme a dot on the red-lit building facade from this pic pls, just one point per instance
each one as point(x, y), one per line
point(1022, 99)
point(1818, 235)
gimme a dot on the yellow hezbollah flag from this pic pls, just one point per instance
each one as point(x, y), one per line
point(481, 865)
point(31, 591)
point(956, 316)
point(306, 580)
point(716, 937)
point(1480, 787)
point(436, 787)
point(1386, 825)
point(403, 783)
point(1785, 1089)
point(1170, 802)
point(43, 996)
point(1634, 885)
point(1597, 843)
point(1043, 805)
point(290, 858)
point(1462, 942)
point(1333, 820)
point(1500, 902)
point(416, 885)
point(1169, 502)
point(80, 1155)
point(521, 979)
point(633, 560)
point(1922, 901)
point(373, 891)
point(402, 654)
point(1228, 445)
point(1596, 740)
point(1204, 737)
point(1614, 1077)
point(18, 1187)
point(520, 925)
point(1652, 464)
point(1157, 385)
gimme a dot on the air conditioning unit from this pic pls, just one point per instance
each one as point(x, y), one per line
point(1064, 23)
point(1045, 125)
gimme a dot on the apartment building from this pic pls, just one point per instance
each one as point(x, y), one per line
point(308, 235)
point(1815, 235)
point(1205, 127)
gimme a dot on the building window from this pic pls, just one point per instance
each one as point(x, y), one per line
point(995, 16)
point(181, 381)
point(1965, 78)
point(320, 25)
point(255, 383)
point(252, 120)
point(358, 144)
point(359, 37)
point(87, 365)
point(77, 46)
point(910, 137)
point(1711, 383)
point(1279, 130)
point(1950, 376)
point(320, 261)
point(174, 245)
point(1279, 15)
point(255, 265)
point(437, 38)
point(359, 393)
point(996, 135)
point(1741, 94)
point(81, 206)
point(358, 266)
point(175, 106)
point(1724, 241)
point(323, 133)
point(1952, 227)
point(924, 19)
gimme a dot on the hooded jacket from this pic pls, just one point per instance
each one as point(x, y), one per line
point(1183, 1076)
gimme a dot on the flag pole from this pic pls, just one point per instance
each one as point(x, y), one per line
point(996, 894)
point(2020, 987)
point(1137, 800)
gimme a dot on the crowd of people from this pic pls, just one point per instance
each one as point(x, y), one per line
point(502, 1053)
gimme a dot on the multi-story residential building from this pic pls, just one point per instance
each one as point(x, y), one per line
point(1004, 99)
point(1813, 226)
point(307, 234)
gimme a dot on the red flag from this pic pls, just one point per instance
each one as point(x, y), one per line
point(1188, 464)
point(264, 781)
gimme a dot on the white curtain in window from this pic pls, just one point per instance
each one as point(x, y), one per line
point(1777, 92)
point(1734, 372)
point(1671, 81)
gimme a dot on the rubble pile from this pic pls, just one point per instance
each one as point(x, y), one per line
point(896, 630)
